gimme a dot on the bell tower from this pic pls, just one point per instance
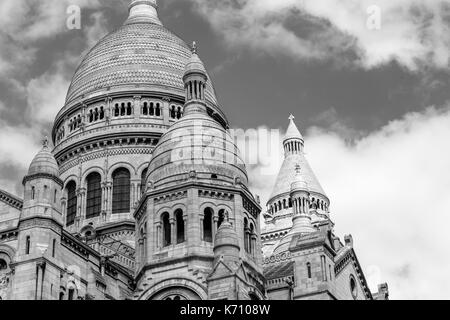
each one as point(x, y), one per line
point(40, 228)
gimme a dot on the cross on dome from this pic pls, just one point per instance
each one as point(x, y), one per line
point(45, 142)
point(291, 118)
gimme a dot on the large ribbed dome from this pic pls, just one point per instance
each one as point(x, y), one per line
point(142, 53)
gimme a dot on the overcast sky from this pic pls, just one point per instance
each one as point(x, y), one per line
point(372, 103)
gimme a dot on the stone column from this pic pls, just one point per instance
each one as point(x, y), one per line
point(157, 236)
point(137, 107)
point(173, 231)
point(165, 111)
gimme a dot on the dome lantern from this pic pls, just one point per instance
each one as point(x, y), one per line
point(44, 162)
point(195, 78)
point(143, 11)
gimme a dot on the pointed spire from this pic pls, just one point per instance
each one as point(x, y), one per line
point(143, 11)
point(292, 131)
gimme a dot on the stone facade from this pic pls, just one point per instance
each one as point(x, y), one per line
point(145, 196)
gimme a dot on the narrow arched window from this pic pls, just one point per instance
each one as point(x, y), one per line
point(94, 195)
point(180, 226)
point(173, 112)
point(167, 230)
point(145, 109)
point(54, 248)
point(207, 225)
point(129, 109)
point(221, 218)
point(102, 113)
point(71, 203)
point(152, 109)
point(251, 244)
point(158, 110)
point(246, 234)
point(55, 196)
point(179, 113)
point(143, 180)
point(27, 245)
point(308, 267)
point(33, 193)
point(121, 191)
point(116, 110)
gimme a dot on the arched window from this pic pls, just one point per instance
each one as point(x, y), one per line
point(102, 113)
point(167, 230)
point(121, 191)
point(251, 244)
point(129, 109)
point(152, 109)
point(145, 109)
point(55, 196)
point(71, 203)
point(54, 248)
point(143, 180)
point(180, 226)
point(158, 110)
point(353, 287)
point(221, 218)
point(207, 225)
point(246, 236)
point(179, 113)
point(308, 266)
point(173, 113)
point(94, 195)
point(27, 245)
point(116, 110)
point(3, 265)
point(33, 193)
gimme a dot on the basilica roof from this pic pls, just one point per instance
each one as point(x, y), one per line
point(141, 53)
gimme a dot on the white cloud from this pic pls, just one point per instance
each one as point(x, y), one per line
point(23, 24)
point(414, 33)
point(390, 190)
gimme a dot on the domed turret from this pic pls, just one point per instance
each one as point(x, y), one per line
point(301, 221)
point(44, 162)
point(197, 146)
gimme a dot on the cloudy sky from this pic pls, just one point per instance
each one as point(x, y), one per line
point(372, 98)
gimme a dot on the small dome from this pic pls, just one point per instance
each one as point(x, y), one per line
point(195, 65)
point(44, 162)
point(196, 147)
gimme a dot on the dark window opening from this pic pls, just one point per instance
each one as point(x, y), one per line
point(94, 195)
point(180, 226)
point(221, 218)
point(71, 203)
point(27, 245)
point(121, 191)
point(207, 225)
point(167, 230)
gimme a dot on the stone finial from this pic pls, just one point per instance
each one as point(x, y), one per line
point(291, 117)
point(348, 240)
point(194, 47)
point(45, 142)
